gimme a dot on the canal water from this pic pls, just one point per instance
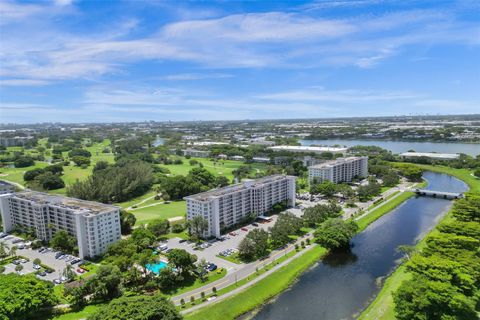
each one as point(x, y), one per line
point(342, 285)
point(403, 146)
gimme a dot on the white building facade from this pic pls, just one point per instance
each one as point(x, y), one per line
point(339, 170)
point(95, 225)
point(225, 207)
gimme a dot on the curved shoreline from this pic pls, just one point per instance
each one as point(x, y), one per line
point(381, 307)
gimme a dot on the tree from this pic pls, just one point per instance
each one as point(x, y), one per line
point(424, 299)
point(32, 174)
point(117, 183)
point(143, 307)
point(100, 165)
point(49, 181)
point(23, 297)
point(390, 179)
point(326, 188)
point(18, 268)
point(68, 272)
point(287, 224)
point(477, 173)
point(221, 181)
point(202, 176)
point(407, 251)
point(106, 283)
point(320, 213)
point(13, 251)
point(166, 279)
point(182, 260)
point(468, 208)
point(54, 168)
point(79, 160)
point(23, 161)
point(255, 246)
point(159, 227)
point(197, 226)
point(3, 249)
point(335, 233)
point(63, 241)
point(246, 249)
point(127, 221)
point(37, 261)
point(79, 153)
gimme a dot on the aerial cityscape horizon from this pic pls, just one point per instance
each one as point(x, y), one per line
point(234, 160)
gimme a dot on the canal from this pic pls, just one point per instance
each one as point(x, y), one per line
point(342, 285)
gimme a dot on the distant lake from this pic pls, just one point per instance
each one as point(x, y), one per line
point(158, 142)
point(472, 149)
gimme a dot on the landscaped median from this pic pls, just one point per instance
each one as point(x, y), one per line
point(261, 291)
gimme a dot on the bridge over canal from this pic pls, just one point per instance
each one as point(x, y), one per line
point(438, 194)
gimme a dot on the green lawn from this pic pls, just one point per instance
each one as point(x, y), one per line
point(384, 208)
point(212, 276)
point(223, 167)
point(260, 292)
point(164, 211)
point(382, 308)
point(71, 173)
point(83, 314)
point(234, 258)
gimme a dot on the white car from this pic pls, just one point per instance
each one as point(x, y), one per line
point(36, 267)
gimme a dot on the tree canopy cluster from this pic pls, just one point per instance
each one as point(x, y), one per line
point(115, 183)
point(138, 308)
point(23, 297)
point(445, 274)
point(198, 180)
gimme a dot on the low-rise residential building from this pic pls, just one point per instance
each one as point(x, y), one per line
point(339, 170)
point(225, 207)
point(95, 225)
point(430, 155)
point(196, 153)
point(6, 187)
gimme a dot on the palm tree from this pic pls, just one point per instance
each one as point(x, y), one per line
point(13, 251)
point(3, 249)
point(18, 268)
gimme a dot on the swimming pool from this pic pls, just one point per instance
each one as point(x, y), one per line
point(155, 268)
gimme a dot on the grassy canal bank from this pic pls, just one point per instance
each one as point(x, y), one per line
point(382, 308)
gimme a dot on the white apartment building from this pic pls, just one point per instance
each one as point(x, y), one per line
point(339, 170)
point(95, 225)
point(225, 207)
point(6, 187)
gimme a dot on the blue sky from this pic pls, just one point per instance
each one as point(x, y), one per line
point(103, 61)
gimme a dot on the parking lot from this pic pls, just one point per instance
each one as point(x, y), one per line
point(216, 246)
point(46, 257)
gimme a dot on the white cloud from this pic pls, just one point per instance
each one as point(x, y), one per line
point(22, 82)
point(38, 49)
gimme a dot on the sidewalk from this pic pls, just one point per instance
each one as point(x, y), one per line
point(250, 283)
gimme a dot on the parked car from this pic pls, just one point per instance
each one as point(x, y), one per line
point(233, 234)
point(42, 273)
point(23, 260)
point(17, 241)
point(80, 270)
point(255, 224)
point(49, 270)
point(3, 235)
point(244, 229)
point(58, 254)
point(57, 281)
point(36, 267)
point(182, 240)
point(16, 262)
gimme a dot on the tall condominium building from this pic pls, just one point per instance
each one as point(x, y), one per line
point(6, 187)
point(225, 207)
point(95, 225)
point(339, 170)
